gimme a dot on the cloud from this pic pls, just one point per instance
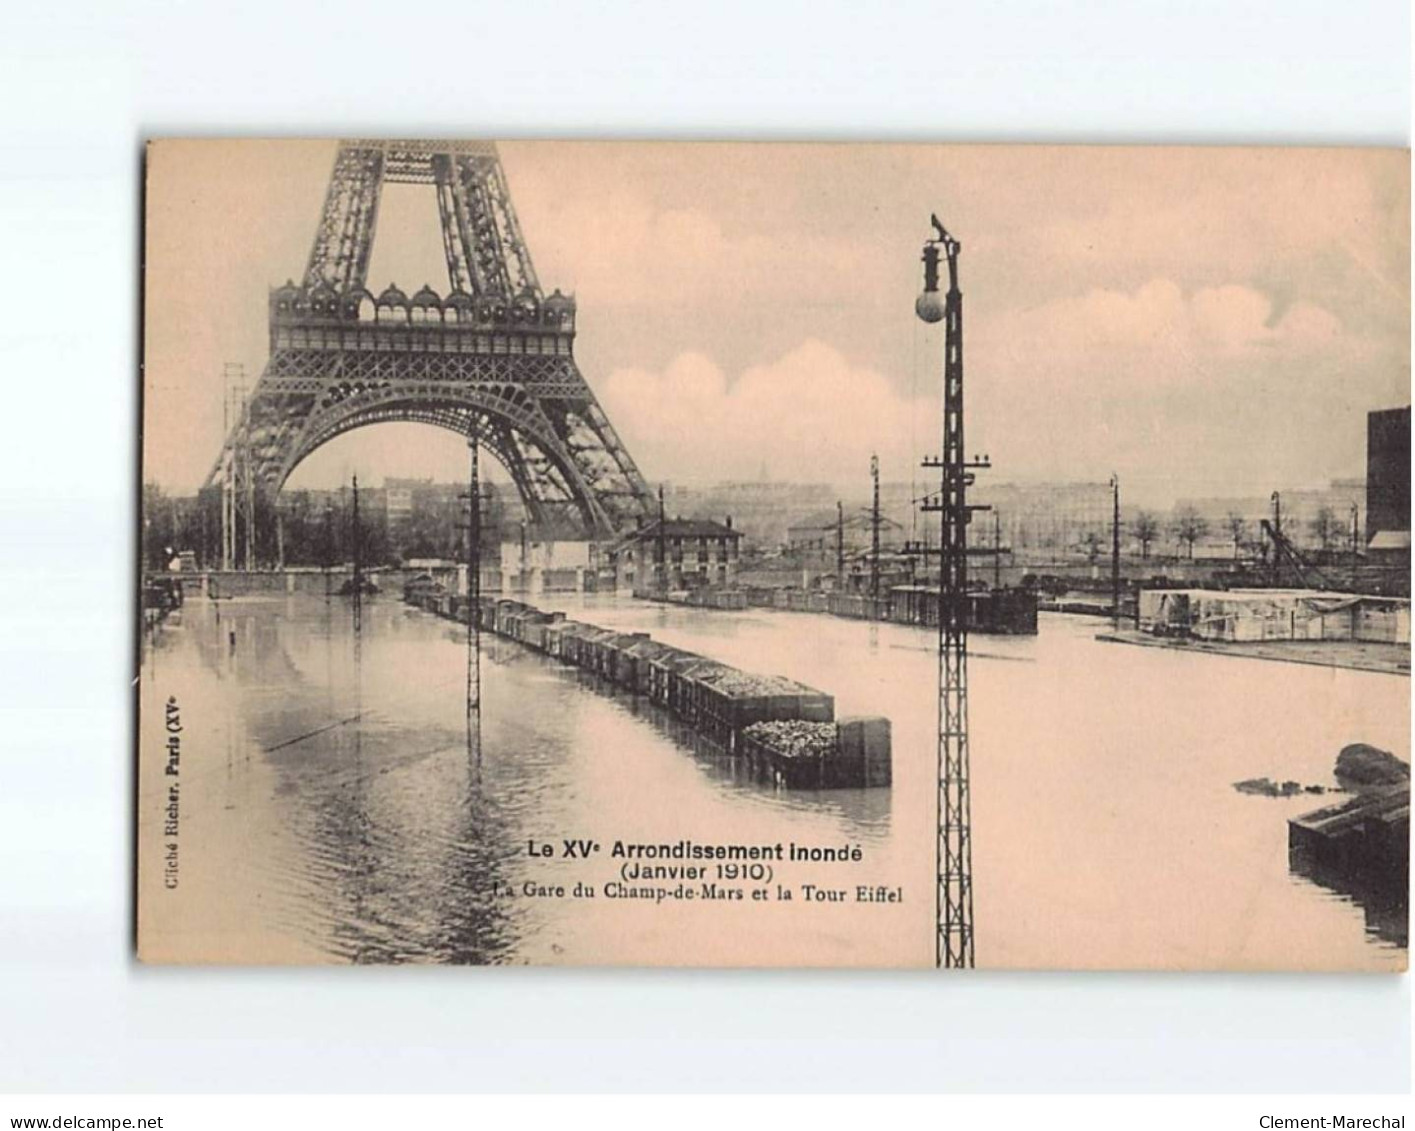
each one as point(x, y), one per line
point(810, 415)
point(1105, 350)
point(1136, 381)
point(1167, 325)
point(1218, 385)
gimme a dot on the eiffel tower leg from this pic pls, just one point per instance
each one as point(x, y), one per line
point(514, 460)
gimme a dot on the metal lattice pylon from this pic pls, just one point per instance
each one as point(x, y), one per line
point(955, 848)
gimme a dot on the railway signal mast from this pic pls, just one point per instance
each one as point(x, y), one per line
point(874, 539)
point(955, 854)
point(474, 536)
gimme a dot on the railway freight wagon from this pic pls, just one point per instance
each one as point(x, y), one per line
point(537, 627)
point(786, 729)
point(557, 637)
point(725, 701)
point(664, 671)
point(599, 652)
point(622, 659)
point(797, 754)
point(638, 661)
point(572, 641)
point(683, 683)
point(594, 650)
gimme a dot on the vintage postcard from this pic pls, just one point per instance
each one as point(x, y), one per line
point(614, 553)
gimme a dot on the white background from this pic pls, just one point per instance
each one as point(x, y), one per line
point(81, 85)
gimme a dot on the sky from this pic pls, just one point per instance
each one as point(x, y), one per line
point(1201, 322)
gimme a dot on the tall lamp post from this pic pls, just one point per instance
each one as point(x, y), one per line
point(955, 853)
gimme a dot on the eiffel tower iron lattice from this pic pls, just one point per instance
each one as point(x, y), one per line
point(492, 357)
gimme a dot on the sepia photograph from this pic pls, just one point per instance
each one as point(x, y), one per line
point(612, 553)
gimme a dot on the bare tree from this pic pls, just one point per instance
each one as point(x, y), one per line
point(1189, 526)
point(1237, 527)
point(1146, 529)
point(1325, 528)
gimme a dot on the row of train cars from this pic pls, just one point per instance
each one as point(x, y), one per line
point(785, 731)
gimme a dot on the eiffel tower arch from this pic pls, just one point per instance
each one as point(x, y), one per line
point(494, 353)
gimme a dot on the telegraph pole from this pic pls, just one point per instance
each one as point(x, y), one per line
point(662, 545)
point(329, 544)
point(525, 582)
point(996, 550)
point(1277, 536)
point(233, 425)
point(874, 540)
point(839, 545)
point(1355, 535)
point(955, 851)
point(248, 472)
point(358, 593)
point(474, 581)
point(1115, 551)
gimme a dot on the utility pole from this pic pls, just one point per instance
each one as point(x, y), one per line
point(996, 550)
point(662, 545)
point(474, 581)
point(1115, 551)
point(248, 472)
point(1277, 535)
point(525, 582)
point(358, 593)
point(329, 545)
point(231, 375)
point(839, 545)
point(238, 488)
point(1355, 536)
point(874, 540)
point(955, 850)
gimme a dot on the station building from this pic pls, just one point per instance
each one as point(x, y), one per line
point(675, 554)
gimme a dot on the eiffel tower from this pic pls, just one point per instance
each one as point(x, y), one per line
point(494, 354)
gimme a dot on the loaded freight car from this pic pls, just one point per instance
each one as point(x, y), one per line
point(558, 636)
point(785, 728)
point(853, 753)
point(534, 629)
point(621, 666)
point(663, 674)
point(638, 663)
point(726, 700)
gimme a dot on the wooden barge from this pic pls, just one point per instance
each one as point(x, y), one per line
point(1367, 836)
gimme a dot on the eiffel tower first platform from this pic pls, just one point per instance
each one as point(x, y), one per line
point(494, 354)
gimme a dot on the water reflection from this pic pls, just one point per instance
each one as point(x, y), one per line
point(1384, 901)
point(341, 807)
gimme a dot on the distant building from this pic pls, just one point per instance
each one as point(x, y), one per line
point(762, 512)
point(531, 565)
point(680, 553)
point(400, 494)
point(819, 532)
point(1046, 518)
point(1388, 475)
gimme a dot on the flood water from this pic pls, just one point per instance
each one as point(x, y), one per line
point(332, 809)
